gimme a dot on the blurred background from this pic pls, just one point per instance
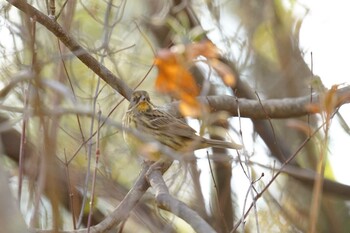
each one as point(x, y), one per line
point(50, 130)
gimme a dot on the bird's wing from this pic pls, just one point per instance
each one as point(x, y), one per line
point(167, 123)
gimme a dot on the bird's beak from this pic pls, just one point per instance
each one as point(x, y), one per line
point(143, 105)
point(143, 99)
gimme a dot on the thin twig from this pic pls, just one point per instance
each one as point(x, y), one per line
point(74, 47)
point(259, 195)
point(98, 152)
point(70, 193)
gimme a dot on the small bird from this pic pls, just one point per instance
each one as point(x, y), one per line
point(150, 120)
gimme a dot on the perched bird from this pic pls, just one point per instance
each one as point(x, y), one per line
point(151, 121)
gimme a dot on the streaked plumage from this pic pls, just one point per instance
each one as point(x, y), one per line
point(163, 127)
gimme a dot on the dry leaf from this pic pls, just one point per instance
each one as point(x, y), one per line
point(204, 48)
point(188, 109)
point(174, 78)
point(224, 72)
point(330, 99)
point(313, 108)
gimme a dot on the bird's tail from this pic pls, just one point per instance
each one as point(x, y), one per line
point(222, 144)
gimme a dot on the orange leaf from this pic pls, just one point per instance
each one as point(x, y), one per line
point(204, 48)
point(173, 77)
point(313, 108)
point(330, 99)
point(208, 49)
point(188, 109)
point(224, 72)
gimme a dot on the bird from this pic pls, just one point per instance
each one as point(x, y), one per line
point(142, 115)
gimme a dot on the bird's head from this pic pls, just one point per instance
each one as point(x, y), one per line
point(140, 101)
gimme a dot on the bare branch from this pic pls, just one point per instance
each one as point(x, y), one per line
point(122, 211)
point(274, 108)
point(83, 55)
point(171, 204)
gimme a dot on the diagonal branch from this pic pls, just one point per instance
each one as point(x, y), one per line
point(167, 202)
point(83, 55)
point(122, 211)
point(124, 208)
point(284, 108)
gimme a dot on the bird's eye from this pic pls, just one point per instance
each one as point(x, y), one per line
point(133, 99)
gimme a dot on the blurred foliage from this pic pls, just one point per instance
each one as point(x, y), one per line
point(252, 41)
